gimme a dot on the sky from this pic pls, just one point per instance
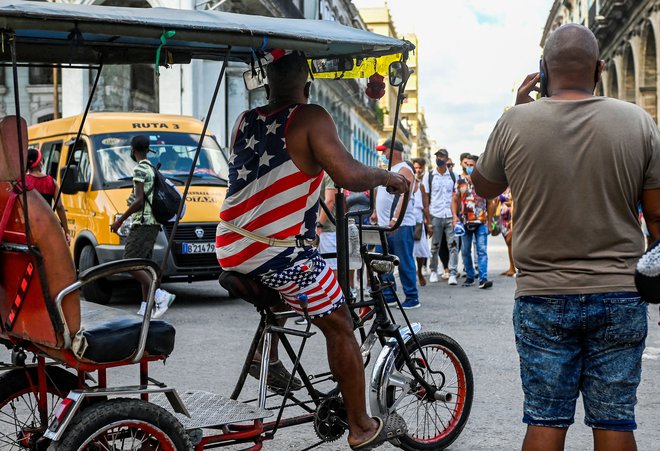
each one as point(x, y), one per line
point(472, 54)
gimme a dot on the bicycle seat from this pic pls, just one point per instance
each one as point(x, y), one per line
point(244, 287)
point(112, 335)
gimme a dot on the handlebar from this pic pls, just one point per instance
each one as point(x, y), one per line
point(399, 220)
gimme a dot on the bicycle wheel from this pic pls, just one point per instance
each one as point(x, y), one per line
point(432, 424)
point(124, 424)
point(20, 422)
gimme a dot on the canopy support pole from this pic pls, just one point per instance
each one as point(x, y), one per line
point(19, 136)
point(82, 124)
point(170, 240)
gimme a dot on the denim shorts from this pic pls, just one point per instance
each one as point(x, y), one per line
point(589, 344)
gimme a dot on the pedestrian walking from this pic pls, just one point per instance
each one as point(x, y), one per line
point(401, 241)
point(579, 322)
point(144, 227)
point(438, 185)
point(475, 213)
point(421, 250)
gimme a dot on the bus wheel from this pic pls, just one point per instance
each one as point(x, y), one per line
point(100, 290)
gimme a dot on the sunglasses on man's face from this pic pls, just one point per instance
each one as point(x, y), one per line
point(450, 165)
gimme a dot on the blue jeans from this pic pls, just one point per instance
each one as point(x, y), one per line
point(590, 344)
point(401, 244)
point(481, 235)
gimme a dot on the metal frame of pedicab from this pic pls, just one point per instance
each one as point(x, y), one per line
point(76, 36)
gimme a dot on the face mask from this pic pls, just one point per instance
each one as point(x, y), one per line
point(383, 159)
point(440, 162)
point(469, 170)
point(463, 189)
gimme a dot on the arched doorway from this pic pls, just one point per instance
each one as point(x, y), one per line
point(649, 75)
point(613, 81)
point(628, 82)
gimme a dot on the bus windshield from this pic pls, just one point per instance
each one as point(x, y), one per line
point(174, 151)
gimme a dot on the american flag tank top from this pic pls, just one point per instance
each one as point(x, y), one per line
point(267, 195)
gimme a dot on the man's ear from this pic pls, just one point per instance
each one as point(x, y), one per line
point(267, 88)
point(598, 76)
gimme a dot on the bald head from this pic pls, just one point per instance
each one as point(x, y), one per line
point(571, 54)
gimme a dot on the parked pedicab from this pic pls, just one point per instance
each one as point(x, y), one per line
point(55, 394)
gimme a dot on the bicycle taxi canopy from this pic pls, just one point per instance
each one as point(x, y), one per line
point(80, 36)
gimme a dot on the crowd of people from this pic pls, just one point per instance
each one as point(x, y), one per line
point(444, 219)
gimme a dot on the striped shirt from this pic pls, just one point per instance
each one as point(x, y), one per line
point(268, 195)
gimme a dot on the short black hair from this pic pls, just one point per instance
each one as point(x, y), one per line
point(419, 161)
point(140, 142)
point(465, 155)
point(474, 157)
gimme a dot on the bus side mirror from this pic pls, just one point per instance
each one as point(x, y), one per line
point(69, 184)
point(399, 73)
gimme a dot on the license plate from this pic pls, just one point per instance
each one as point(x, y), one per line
point(197, 248)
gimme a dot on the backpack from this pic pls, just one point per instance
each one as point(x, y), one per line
point(166, 198)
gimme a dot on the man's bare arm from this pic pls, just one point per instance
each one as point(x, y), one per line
point(330, 153)
point(485, 188)
point(651, 210)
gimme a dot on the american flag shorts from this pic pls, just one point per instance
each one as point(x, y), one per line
point(312, 277)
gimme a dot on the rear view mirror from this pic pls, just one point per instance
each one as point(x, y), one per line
point(399, 73)
point(323, 65)
point(254, 79)
point(69, 184)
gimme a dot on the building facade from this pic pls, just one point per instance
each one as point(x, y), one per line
point(628, 33)
point(187, 89)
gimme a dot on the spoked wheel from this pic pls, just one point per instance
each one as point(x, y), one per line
point(21, 424)
point(124, 424)
point(432, 424)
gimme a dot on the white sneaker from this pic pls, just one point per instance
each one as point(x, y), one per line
point(452, 280)
point(434, 277)
point(143, 308)
point(445, 275)
point(161, 308)
point(164, 297)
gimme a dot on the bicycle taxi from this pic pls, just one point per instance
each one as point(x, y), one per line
point(60, 398)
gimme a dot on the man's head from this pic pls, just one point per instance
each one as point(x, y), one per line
point(570, 59)
point(397, 154)
point(465, 157)
point(450, 164)
point(139, 147)
point(287, 77)
point(420, 165)
point(441, 157)
point(468, 164)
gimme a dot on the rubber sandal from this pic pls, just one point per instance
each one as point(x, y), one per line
point(278, 376)
point(390, 428)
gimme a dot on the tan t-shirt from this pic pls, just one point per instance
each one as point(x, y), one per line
point(576, 171)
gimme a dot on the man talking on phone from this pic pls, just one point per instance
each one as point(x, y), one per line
point(579, 322)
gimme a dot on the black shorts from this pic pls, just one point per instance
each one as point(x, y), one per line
point(140, 242)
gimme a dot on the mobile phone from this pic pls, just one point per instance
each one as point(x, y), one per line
point(544, 80)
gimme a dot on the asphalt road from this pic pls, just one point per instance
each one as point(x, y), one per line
point(214, 331)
